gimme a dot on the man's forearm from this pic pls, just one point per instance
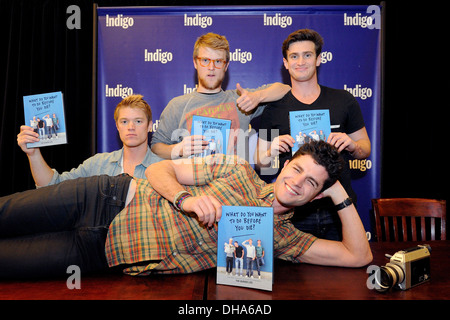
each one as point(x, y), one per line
point(275, 92)
point(353, 233)
point(165, 150)
point(41, 172)
point(362, 150)
point(262, 155)
point(168, 177)
point(163, 179)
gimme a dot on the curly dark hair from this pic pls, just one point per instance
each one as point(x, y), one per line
point(325, 155)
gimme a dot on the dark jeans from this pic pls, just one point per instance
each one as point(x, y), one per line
point(249, 272)
point(320, 219)
point(229, 261)
point(44, 231)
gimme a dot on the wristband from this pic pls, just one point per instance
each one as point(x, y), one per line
point(179, 198)
point(344, 204)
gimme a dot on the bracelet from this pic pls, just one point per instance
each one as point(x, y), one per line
point(344, 204)
point(179, 198)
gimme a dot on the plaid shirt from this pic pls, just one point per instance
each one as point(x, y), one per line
point(153, 237)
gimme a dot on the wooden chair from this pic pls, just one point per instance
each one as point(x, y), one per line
point(404, 217)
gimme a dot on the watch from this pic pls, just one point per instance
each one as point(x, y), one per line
point(343, 204)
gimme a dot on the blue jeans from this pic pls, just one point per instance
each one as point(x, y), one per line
point(259, 263)
point(44, 231)
point(249, 272)
point(319, 219)
point(239, 263)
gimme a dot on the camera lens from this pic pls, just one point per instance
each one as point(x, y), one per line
point(388, 276)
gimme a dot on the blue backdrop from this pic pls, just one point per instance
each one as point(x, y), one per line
point(148, 50)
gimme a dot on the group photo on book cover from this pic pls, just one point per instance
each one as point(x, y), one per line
point(45, 114)
point(245, 247)
point(307, 125)
point(215, 131)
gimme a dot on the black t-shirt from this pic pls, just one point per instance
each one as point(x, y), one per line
point(239, 250)
point(345, 116)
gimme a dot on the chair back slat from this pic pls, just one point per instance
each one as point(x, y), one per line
point(414, 229)
point(425, 215)
point(433, 227)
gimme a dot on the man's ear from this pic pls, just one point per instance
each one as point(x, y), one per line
point(194, 60)
point(319, 196)
point(318, 60)
point(285, 164)
point(286, 64)
point(226, 66)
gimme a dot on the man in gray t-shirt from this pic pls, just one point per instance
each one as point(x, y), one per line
point(211, 58)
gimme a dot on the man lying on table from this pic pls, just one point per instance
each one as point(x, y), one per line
point(168, 223)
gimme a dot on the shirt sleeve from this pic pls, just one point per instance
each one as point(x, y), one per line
point(95, 165)
point(83, 170)
point(289, 242)
point(355, 119)
point(216, 166)
point(168, 131)
point(266, 123)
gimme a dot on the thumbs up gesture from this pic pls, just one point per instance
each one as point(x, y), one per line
point(247, 100)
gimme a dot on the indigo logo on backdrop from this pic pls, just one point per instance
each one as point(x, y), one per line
point(241, 56)
point(370, 22)
point(359, 91)
point(197, 21)
point(277, 20)
point(118, 91)
point(119, 21)
point(326, 56)
point(158, 56)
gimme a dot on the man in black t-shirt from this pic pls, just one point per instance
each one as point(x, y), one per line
point(301, 57)
point(239, 259)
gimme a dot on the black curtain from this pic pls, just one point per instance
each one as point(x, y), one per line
point(40, 54)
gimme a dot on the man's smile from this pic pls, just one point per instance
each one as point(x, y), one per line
point(290, 190)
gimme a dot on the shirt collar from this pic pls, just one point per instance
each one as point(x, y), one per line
point(267, 192)
point(146, 162)
point(117, 156)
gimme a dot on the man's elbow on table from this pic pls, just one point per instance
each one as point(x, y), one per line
point(360, 259)
point(336, 253)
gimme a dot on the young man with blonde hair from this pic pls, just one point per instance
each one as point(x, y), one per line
point(211, 58)
point(133, 117)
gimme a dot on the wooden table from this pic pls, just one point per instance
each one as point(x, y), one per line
point(291, 282)
point(109, 286)
point(310, 282)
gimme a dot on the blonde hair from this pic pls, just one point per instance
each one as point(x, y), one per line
point(134, 101)
point(213, 41)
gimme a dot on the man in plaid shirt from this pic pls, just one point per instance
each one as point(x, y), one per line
point(167, 224)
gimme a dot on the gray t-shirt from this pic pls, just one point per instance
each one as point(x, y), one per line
point(176, 119)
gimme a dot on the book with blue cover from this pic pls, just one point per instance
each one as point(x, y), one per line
point(245, 247)
point(45, 114)
point(215, 131)
point(307, 125)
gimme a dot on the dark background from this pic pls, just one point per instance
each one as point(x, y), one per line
point(39, 54)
